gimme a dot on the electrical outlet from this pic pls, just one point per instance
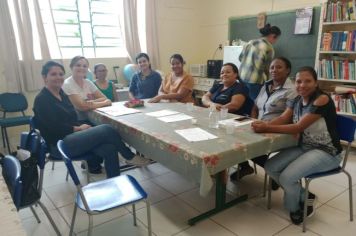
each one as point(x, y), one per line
point(220, 46)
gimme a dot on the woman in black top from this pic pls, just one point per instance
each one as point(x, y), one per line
point(57, 119)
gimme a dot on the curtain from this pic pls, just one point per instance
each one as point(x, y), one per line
point(31, 67)
point(131, 32)
point(8, 52)
point(25, 73)
point(152, 33)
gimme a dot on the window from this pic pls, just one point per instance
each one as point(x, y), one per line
point(83, 27)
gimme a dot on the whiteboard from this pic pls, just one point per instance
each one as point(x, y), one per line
point(231, 54)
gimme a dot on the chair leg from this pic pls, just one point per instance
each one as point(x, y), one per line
point(306, 195)
point(67, 176)
point(264, 186)
point(350, 195)
point(148, 209)
point(269, 190)
point(87, 169)
point(49, 217)
point(52, 165)
point(73, 220)
point(35, 214)
point(7, 141)
point(255, 168)
point(90, 225)
point(3, 137)
point(134, 214)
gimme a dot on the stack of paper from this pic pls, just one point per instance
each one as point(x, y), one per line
point(169, 116)
point(195, 134)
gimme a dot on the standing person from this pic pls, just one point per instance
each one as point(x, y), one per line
point(83, 94)
point(178, 85)
point(105, 86)
point(57, 120)
point(231, 93)
point(256, 57)
point(145, 83)
point(270, 103)
point(311, 116)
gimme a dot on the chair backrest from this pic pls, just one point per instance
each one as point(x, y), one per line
point(33, 142)
point(11, 171)
point(68, 162)
point(346, 127)
point(13, 102)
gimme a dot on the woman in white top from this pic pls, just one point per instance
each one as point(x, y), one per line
point(83, 94)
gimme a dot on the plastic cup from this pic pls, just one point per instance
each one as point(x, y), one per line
point(190, 106)
point(223, 113)
point(230, 128)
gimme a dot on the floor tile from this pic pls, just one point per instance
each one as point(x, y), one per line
point(248, 219)
point(168, 217)
point(82, 220)
point(45, 228)
point(328, 221)
point(120, 226)
point(26, 212)
point(174, 183)
point(341, 202)
point(206, 228)
point(61, 194)
point(295, 230)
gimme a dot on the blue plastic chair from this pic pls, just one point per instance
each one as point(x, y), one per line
point(346, 127)
point(12, 102)
point(57, 157)
point(119, 191)
point(12, 175)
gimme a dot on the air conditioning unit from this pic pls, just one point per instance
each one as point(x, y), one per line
point(198, 70)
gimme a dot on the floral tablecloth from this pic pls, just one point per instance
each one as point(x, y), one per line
point(197, 161)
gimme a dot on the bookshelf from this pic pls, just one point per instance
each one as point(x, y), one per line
point(335, 58)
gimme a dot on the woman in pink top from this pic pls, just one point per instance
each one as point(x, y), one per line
point(178, 85)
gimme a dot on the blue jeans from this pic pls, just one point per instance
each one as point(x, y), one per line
point(104, 142)
point(254, 90)
point(292, 164)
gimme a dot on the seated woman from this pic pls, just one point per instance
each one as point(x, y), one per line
point(83, 94)
point(178, 85)
point(230, 93)
point(105, 86)
point(57, 120)
point(146, 83)
point(311, 116)
point(270, 103)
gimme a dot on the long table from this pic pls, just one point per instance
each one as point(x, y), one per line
point(197, 161)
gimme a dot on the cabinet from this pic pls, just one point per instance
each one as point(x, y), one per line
point(336, 51)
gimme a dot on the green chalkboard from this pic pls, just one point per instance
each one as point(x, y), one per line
point(299, 49)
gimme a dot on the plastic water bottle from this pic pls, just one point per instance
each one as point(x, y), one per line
point(213, 117)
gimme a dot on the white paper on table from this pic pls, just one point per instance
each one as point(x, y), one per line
point(118, 110)
point(162, 113)
point(235, 122)
point(195, 134)
point(174, 118)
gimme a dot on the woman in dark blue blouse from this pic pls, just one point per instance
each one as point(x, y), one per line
point(230, 93)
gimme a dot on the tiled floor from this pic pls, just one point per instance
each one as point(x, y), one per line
point(174, 200)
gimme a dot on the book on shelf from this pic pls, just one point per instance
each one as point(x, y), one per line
point(337, 69)
point(345, 89)
point(339, 11)
point(345, 104)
